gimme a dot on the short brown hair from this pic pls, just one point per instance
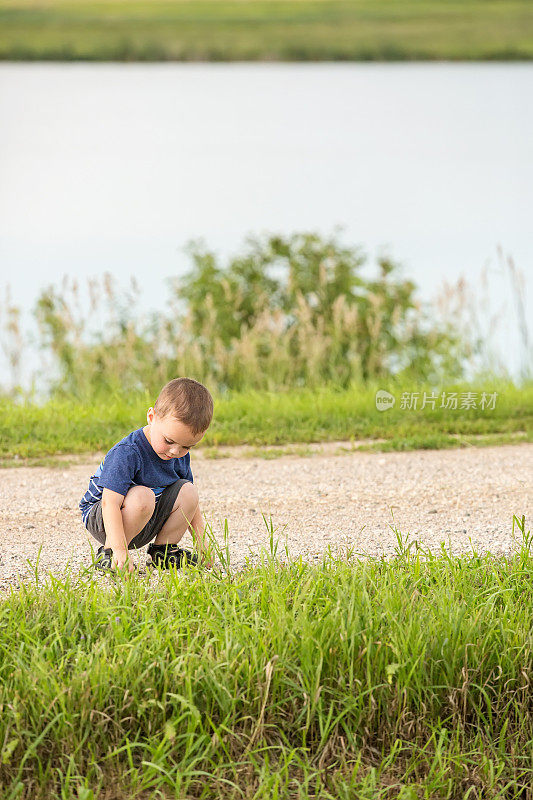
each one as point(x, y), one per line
point(188, 401)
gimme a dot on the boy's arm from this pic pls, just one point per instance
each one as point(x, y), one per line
point(119, 467)
point(114, 527)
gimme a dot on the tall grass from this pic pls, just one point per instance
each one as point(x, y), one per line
point(407, 677)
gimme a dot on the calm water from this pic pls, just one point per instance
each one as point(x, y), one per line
point(115, 167)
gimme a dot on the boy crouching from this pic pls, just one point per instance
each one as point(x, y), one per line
point(143, 489)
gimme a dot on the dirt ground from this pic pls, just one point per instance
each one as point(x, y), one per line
point(353, 499)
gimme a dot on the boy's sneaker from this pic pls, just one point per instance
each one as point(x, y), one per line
point(103, 559)
point(169, 555)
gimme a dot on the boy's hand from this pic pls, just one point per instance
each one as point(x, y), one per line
point(197, 529)
point(121, 558)
point(205, 560)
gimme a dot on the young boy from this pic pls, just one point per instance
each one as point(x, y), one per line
point(143, 488)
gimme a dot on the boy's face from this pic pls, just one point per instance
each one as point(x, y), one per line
point(169, 437)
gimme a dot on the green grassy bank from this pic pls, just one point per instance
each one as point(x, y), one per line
point(293, 30)
point(406, 678)
point(30, 431)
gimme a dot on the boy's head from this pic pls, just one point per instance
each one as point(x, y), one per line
point(179, 418)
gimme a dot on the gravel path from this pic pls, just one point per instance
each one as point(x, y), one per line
point(324, 499)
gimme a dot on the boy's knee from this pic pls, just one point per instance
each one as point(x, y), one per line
point(188, 496)
point(141, 498)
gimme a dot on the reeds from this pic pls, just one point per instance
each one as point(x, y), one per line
point(238, 327)
point(12, 338)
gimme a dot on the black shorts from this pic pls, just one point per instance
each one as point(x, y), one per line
point(162, 511)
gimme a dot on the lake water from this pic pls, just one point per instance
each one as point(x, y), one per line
point(116, 166)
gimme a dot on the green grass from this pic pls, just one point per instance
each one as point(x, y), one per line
point(263, 420)
point(407, 677)
point(292, 30)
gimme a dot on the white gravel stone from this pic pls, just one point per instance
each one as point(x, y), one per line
point(329, 498)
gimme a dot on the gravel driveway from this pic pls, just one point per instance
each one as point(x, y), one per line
point(322, 499)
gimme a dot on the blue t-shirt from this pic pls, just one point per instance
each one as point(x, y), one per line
point(133, 462)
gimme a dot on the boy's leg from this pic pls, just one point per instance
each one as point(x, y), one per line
point(137, 508)
point(182, 513)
